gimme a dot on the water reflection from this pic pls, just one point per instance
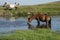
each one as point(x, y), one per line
point(9, 18)
point(21, 24)
point(30, 26)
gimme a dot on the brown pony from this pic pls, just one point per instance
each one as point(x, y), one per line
point(40, 17)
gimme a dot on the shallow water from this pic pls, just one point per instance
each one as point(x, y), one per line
point(21, 24)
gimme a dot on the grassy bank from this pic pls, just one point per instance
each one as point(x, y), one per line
point(37, 34)
point(52, 9)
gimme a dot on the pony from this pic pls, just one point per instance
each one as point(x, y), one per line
point(10, 6)
point(40, 17)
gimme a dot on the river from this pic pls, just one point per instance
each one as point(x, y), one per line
point(8, 25)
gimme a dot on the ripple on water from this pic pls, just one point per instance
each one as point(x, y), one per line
point(21, 24)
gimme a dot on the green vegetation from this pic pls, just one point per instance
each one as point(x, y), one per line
point(52, 9)
point(49, 8)
point(36, 34)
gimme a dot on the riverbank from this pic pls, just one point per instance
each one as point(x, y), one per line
point(36, 34)
point(52, 9)
point(24, 12)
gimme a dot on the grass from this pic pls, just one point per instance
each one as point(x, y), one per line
point(52, 9)
point(36, 34)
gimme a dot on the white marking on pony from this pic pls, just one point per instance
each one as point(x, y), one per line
point(12, 5)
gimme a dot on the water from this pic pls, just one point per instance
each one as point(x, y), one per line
point(21, 24)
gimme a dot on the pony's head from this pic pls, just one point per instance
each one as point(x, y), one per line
point(29, 20)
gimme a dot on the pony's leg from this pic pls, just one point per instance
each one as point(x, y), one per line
point(38, 21)
point(46, 22)
point(50, 22)
point(48, 26)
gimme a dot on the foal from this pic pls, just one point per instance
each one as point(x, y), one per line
point(40, 17)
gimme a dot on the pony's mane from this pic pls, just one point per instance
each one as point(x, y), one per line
point(33, 17)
